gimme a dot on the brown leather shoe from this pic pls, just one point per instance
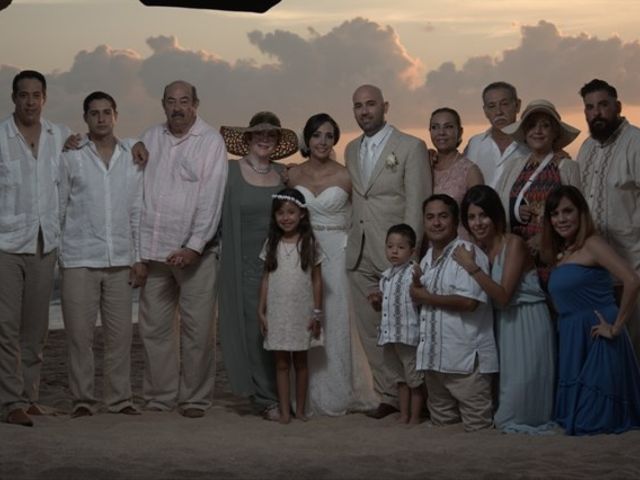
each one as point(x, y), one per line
point(130, 410)
point(192, 412)
point(383, 410)
point(81, 412)
point(35, 409)
point(19, 417)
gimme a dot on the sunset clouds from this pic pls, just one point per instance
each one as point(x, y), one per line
point(305, 74)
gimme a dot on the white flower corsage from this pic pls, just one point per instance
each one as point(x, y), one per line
point(391, 161)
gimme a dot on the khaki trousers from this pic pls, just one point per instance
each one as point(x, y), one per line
point(363, 280)
point(177, 326)
point(454, 397)
point(26, 282)
point(85, 291)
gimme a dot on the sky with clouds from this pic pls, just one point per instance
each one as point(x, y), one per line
point(304, 57)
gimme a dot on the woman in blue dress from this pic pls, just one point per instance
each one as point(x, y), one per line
point(598, 376)
point(524, 331)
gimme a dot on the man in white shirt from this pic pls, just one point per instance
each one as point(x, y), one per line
point(184, 184)
point(100, 195)
point(29, 232)
point(493, 149)
point(609, 163)
point(457, 349)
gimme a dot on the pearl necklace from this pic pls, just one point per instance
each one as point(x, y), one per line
point(259, 171)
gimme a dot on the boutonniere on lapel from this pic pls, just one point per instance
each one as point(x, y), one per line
point(391, 162)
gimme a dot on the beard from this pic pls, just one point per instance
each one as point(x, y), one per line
point(601, 128)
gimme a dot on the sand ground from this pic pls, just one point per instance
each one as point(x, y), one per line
point(231, 442)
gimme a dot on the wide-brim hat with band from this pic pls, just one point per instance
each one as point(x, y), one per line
point(236, 141)
point(567, 133)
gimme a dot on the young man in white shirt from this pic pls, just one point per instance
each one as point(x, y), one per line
point(457, 349)
point(100, 196)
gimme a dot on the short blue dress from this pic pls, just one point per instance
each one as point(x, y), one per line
point(598, 379)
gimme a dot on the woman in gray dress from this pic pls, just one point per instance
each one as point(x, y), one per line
point(245, 220)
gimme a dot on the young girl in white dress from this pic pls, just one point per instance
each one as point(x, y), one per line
point(290, 306)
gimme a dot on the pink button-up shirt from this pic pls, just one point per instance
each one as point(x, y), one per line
point(184, 184)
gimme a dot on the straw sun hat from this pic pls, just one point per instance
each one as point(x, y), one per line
point(567, 133)
point(236, 140)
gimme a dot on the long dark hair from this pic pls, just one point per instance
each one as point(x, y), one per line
point(306, 244)
point(313, 124)
point(487, 199)
point(552, 243)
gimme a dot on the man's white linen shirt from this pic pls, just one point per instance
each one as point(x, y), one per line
point(400, 319)
point(484, 152)
point(184, 182)
point(610, 177)
point(450, 340)
point(99, 207)
point(29, 188)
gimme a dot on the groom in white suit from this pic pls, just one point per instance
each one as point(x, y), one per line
point(391, 177)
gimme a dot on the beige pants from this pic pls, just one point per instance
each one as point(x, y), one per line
point(401, 361)
point(177, 325)
point(363, 280)
point(26, 282)
point(85, 291)
point(454, 397)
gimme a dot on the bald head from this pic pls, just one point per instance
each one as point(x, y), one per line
point(369, 109)
point(184, 85)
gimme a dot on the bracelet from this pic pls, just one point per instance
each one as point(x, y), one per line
point(476, 270)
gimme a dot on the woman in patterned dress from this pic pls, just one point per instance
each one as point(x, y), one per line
point(527, 181)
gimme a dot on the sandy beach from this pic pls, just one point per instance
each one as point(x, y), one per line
point(230, 442)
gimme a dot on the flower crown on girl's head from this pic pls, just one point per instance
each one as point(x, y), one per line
point(288, 198)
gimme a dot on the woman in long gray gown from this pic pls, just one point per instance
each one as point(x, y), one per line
point(245, 221)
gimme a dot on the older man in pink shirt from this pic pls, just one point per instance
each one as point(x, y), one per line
point(184, 182)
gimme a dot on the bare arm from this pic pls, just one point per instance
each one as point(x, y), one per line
point(474, 177)
point(601, 253)
point(449, 302)
point(515, 262)
point(316, 283)
point(262, 303)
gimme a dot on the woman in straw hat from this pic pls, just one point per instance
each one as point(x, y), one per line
point(339, 376)
point(526, 182)
point(245, 220)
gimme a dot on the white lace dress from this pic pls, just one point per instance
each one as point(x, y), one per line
point(339, 375)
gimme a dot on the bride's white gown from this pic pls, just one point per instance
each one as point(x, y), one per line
point(339, 375)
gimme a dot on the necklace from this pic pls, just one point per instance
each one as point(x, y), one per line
point(566, 252)
point(259, 171)
point(289, 251)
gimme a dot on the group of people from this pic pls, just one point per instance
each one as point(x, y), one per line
point(478, 281)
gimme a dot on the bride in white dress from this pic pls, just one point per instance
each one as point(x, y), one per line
point(339, 375)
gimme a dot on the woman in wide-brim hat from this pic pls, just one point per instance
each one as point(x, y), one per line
point(252, 180)
point(526, 181)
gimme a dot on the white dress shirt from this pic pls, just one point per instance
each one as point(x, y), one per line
point(99, 207)
point(450, 340)
point(370, 150)
point(28, 188)
point(184, 182)
point(400, 317)
point(484, 152)
point(610, 176)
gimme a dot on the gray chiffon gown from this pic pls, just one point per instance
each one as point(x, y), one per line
point(245, 223)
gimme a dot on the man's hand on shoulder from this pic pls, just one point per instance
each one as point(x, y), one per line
point(140, 154)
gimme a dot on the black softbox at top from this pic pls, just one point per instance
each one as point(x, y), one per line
point(258, 6)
